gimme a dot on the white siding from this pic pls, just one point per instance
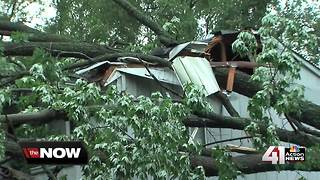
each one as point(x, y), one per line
point(311, 83)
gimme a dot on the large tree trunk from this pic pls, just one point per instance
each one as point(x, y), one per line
point(308, 112)
point(61, 49)
point(247, 164)
point(209, 120)
point(7, 28)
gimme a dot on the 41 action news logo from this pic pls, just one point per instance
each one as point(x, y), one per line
point(54, 152)
point(281, 155)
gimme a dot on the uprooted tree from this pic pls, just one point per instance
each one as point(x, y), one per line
point(39, 86)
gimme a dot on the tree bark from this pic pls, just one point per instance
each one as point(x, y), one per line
point(16, 26)
point(34, 118)
point(34, 35)
point(213, 120)
point(40, 37)
point(94, 53)
point(247, 164)
point(242, 83)
point(63, 49)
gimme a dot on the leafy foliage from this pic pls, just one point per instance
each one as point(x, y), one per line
point(246, 45)
point(118, 129)
point(279, 69)
point(4, 101)
point(19, 37)
point(138, 138)
point(104, 21)
point(227, 169)
point(296, 25)
point(20, 10)
point(195, 98)
point(312, 159)
point(230, 14)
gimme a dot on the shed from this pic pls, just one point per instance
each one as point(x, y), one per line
point(137, 80)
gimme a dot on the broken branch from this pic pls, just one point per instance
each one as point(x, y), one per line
point(164, 37)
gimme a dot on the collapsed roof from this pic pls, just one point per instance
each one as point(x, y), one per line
point(192, 62)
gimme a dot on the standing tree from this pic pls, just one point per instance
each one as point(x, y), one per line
point(38, 86)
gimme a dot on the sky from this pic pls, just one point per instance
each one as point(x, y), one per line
point(40, 13)
point(47, 11)
point(37, 13)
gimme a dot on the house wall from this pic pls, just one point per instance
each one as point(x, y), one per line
point(311, 82)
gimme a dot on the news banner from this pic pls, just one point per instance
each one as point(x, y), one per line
point(74, 152)
point(54, 152)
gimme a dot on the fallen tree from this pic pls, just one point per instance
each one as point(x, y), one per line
point(60, 47)
point(309, 112)
point(247, 164)
point(211, 120)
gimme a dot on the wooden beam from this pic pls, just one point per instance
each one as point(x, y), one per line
point(241, 149)
point(230, 82)
point(239, 64)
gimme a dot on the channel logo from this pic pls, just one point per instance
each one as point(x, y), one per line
point(294, 149)
point(295, 153)
point(54, 152)
point(282, 155)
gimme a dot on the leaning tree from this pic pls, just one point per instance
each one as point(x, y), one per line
point(39, 86)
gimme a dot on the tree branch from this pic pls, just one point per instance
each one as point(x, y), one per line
point(308, 112)
point(164, 37)
point(213, 120)
point(33, 35)
point(11, 79)
point(16, 26)
point(246, 164)
point(26, 49)
point(34, 118)
point(156, 79)
point(226, 140)
point(242, 83)
point(227, 104)
point(303, 128)
point(115, 56)
point(10, 173)
point(49, 172)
